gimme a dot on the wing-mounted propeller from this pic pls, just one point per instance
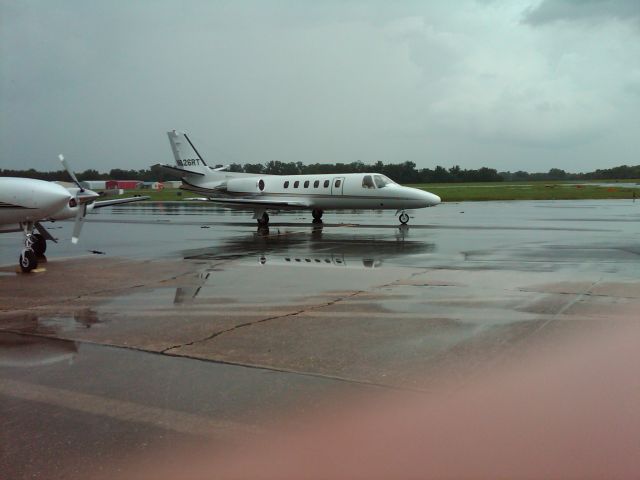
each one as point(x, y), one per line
point(82, 198)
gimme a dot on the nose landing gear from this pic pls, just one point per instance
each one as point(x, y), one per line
point(404, 218)
point(28, 257)
point(28, 261)
point(39, 244)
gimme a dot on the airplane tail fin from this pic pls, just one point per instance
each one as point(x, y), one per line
point(185, 153)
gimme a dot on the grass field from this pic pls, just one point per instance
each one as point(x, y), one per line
point(528, 191)
point(452, 192)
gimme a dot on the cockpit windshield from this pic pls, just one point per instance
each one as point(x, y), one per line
point(367, 182)
point(382, 181)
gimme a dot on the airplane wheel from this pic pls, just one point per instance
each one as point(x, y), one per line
point(39, 245)
point(404, 218)
point(28, 261)
point(316, 214)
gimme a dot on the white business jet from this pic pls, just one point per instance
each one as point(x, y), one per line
point(25, 202)
point(317, 193)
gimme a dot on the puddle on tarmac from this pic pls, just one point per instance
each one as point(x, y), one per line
point(54, 323)
point(24, 351)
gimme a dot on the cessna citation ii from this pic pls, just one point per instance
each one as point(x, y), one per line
point(25, 202)
point(264, 193)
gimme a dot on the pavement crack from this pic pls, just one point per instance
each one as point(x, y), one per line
point(262, 320)
point(578, 297)
point(581, 294)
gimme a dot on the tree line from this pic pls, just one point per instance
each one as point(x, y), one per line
point(405, 172)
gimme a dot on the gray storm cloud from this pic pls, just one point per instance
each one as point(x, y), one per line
point(475, 83)
point(550, 11)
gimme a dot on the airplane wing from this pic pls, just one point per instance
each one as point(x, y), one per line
point(284, 203)
point(118, 201)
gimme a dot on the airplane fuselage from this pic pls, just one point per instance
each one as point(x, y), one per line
point(29, 200)
point(25, 202)
point(323, 192)
point(263, 193)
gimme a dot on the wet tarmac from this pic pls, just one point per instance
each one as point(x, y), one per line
point(190, 323)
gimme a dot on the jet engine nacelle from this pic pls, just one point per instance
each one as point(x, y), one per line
point(246, 185)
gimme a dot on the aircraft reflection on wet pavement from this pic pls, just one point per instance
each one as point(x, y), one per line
point(297, 249)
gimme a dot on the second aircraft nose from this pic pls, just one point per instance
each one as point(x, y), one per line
point(54, 195)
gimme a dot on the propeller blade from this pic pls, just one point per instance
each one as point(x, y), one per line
point(77, 226)
point(70, 172)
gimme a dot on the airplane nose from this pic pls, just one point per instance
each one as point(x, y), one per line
point(430, 199)
point(53, 196)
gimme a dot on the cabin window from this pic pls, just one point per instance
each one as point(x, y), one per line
point(326, 184)
point(296, 184)
point(261, 185)
point(367, 182)
point(337, 184)
point(306, 184)
point(286, 184)
point(316, 184)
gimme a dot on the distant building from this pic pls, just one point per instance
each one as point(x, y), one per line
point(94, 184)
point(123, 184)
point(172, 184)
point(152, 185)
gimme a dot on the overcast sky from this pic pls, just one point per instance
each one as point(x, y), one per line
point(513, 85)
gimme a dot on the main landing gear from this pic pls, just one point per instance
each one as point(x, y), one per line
point(34, 246)
point(317, 215)
point(263, 220)
point(404, 218)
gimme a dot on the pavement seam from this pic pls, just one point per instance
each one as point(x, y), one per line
point(77, 297)
point(252, 366)
point(262, 320)
point(568, 305)
point(94, 293)
point(552, 317)
point(126, 410)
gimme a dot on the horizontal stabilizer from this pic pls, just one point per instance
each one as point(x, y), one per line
point(178, 171)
